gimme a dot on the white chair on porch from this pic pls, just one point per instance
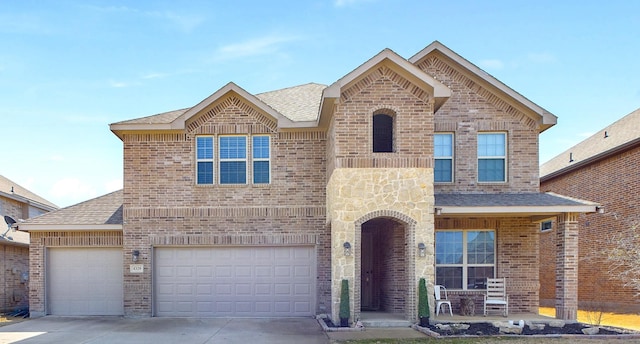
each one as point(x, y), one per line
point(496, 295)
point(439, 291)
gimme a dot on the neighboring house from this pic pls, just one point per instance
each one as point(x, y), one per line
point(602, 168)
point(260, 205)
point(16, 204)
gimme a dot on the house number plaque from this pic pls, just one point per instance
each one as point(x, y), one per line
point(136, 268)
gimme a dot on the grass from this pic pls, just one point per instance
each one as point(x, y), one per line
point(627, 321)
point(491, 340)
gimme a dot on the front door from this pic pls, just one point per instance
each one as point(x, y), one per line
point(367, 276)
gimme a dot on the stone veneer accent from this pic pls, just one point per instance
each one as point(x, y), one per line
point(355, 196)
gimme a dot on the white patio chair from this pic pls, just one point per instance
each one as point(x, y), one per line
point(496, 295)
point(439, 290)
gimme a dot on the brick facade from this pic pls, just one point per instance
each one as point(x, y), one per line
point(328, 187)
point(610, 182)
point(14, 260)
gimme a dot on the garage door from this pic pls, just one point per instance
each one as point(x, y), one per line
point(84, 281)
point(235, 281)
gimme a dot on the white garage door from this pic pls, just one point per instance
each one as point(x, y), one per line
point(84, 281)
point(235, 281)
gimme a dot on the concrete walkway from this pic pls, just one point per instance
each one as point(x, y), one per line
point(94, 330)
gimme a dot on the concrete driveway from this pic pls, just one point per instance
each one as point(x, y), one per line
point(94, 330)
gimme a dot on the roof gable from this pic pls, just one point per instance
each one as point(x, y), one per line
point(620, 135)
point(544, 118)
point(12, 190)
point(396, 63)
point(177, 120)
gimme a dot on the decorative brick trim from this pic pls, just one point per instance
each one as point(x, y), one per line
point(386, 162)
point(55, 239)
point(440, 64)
point(386, 73)
point(302, 135)
point(159, 137)
point(464, 223)
point(227, 129)
point(235, 240)
point(445, 126)
point(189, 212)
point(392, 214)
point(199, 123)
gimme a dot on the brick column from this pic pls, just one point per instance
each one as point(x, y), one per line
point(567, 267)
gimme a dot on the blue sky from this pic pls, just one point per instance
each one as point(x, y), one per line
point(70, 68)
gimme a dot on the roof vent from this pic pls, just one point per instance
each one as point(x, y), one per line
point(606, 134)
point(570, 157)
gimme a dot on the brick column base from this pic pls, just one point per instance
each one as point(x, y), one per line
point(567, 267)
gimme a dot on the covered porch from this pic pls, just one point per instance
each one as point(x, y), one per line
point(481, 236)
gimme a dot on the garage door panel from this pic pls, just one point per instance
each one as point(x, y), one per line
point(244, 281)
point(84, 281)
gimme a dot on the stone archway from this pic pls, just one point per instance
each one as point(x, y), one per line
point(384, 263)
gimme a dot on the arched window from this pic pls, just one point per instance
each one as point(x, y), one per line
point(382, 133)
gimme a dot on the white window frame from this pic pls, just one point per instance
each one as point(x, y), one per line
point(489, 157)
point(245, 159)
point(451, 157)
point(254, 159)
point(546, 226)
point(212, 160)
point(465, 265)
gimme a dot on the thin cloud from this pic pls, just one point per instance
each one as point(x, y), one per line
point(541, 58)
point(155, 76)
point(184, 22)
point(259, 46)
point(491, 64)
point(72, 190)
point(113, 185)
point(21, 23)
point(120, 84)
point(346, 3)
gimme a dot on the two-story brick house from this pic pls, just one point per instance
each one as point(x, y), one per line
point(603, 168)
point(16, 203)
point(260, 205)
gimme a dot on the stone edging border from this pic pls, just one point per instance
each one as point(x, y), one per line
point(430, 333)
point(321, 317)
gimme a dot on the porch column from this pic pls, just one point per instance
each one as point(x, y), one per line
point(567, 267)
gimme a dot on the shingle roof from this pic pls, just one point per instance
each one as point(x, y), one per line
point(161, 118)
point(298, 103)
point(503, 200)
point(11, 188)
point(105, 210)
point(623, 132)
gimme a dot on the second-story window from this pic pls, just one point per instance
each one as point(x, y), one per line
point(443, 153)
point(204, 157)
point(382, 133)
point(233, 159)
point(261, 160)
point(492, 157)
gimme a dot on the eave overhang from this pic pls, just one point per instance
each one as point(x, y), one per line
point(26, 227)
point(544, 118)
point(538, 207)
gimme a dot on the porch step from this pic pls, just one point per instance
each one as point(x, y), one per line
point(385, 323)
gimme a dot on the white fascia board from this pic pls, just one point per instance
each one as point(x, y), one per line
point(520, 210)
point(66, 228)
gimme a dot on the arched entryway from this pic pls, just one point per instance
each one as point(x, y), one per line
point(385, 270)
